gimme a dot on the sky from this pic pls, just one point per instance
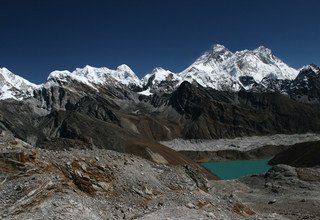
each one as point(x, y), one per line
point(39, 36)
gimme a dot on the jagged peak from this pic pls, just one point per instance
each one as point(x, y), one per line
point(14, 79)
point(217, 53)
point(312, 67)
point(124, 68)
point(219, 48)
point(158, 73)
point(159, 69)
point(263, 49)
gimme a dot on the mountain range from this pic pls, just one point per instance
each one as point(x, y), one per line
point(221, 95)
point(217, 68)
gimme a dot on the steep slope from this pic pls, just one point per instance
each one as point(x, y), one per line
point(14, 87)
point(208, 70)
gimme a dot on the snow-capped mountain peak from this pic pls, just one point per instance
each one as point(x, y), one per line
point(158, 75)
point(158, 69)
point(126, 75)
point(125, 68)
point(220, 50)
point(160, 80)
point(14, 86)
point(221, 69)
point(159, 72)
point(218, 47)
point(218, 53)
point(92, 76)
point(263, 49)
point(312, 67)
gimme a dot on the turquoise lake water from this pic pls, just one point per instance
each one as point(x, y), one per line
point(234, 169)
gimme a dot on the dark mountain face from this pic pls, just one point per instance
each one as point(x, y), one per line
point(215, 114)
point(306, 87)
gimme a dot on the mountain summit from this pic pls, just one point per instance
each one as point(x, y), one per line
point(221, 69)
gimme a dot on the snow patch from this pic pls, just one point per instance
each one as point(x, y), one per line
point(146, 92)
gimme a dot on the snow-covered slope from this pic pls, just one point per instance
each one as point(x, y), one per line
point(221, 69)
point(93, 76)
point(14, 87)
point(208, 70)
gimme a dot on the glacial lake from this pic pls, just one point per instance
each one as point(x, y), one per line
point(234, 169)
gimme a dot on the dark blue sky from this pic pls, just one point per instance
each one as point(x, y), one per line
point(39, 36)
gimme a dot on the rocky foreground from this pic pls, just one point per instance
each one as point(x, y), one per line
point(103, 184)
